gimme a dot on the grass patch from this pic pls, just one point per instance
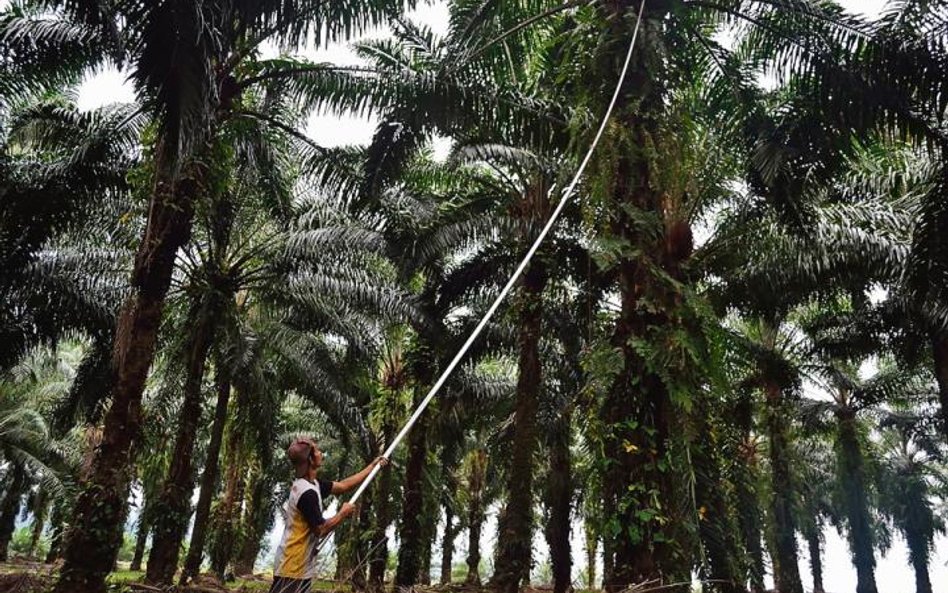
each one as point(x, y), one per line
point(125, 576)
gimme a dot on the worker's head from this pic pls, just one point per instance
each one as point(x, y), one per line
point(305, 456)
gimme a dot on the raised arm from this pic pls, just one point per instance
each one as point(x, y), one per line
point(326, 527)
point(343, 486)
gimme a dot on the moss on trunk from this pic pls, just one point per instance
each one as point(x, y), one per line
point(96, 532)
point(173, 507)
point(515, 524)
point(209, 479)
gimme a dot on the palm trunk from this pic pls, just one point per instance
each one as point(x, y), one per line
point(56, 521)
point(40, 509)
point(639, 487)
point(383, 518)
point(429, 531)
point(141, 539)
point(96, 532)
point(608, 549)
point(192, 563)
point(411, 533)
point(449, 487)
point(345, 557)
point(857, 506)
point(559, 501)
point(424, 572)
point(592, 547)
point(786, 563)
point(940, 356)
point(247, 558)
point(224, 520)
point(360, 546)
point(476, 513)
point(816, 558)
point(258, 517)
point(917, 531)
point(918, 554)
point(717, 526)
point(10, 507)
point(173, 507)
point(637, 414)
point(447, 545)
point(474, 552)
point(515, 525)
point(748, 501)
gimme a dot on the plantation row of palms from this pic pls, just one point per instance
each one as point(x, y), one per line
point(735, 338)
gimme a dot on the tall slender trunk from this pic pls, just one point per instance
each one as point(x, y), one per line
point(608, 548)
point(447, 544)
point(476, 513)
point(638, 415)
point(447, 501)
point(411, 532)
point(40, 509)
point(748, 501)
point(816, 557)
point(141, 539)
point(202, 514)
point(383, 515)
point(852, 476)
point(918, 545)
point(717, 525)
point(592, 547)
point(56, 520)
point(515, 524)
point(173, 507)
point(345, 558)
point(474, 552)
point(559, 501)
point(940, 356)
point(917, 528)
point(424, 571)
point(360, 546)
point(429, 531)
point(225, 515)
point(258, 517)
point(639, 485)
point(96, 531)
point(786, 563)
point(10, 507)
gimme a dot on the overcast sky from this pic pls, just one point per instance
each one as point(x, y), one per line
point(894, 574)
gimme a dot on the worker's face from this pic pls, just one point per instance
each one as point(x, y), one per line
point(316, 455)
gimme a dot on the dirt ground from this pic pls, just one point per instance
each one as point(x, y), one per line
point(21, 576)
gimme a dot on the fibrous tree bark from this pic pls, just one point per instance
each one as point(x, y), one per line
point(209, 478)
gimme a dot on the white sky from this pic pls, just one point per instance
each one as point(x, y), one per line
point(894, 573)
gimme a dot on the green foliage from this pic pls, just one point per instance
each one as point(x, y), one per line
point(22, 538)
point(733, 249)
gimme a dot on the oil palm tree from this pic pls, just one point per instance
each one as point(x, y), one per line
point(191, 95)
point(32, 456)
point(911, 467)
point(799, 36)
point(65, 185)
point(850, 397)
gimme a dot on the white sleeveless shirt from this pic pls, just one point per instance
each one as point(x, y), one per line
point(295, 557)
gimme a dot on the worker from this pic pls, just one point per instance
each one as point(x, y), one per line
point(303, 522)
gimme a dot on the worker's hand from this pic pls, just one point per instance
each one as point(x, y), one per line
point(380, 461)
point(347, 509)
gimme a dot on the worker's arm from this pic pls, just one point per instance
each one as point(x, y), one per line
point(326, 527)
point(308, 505)
point(354, 480)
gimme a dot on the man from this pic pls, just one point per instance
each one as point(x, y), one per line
point(304, 525)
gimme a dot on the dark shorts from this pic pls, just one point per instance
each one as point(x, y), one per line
point(285, 585)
